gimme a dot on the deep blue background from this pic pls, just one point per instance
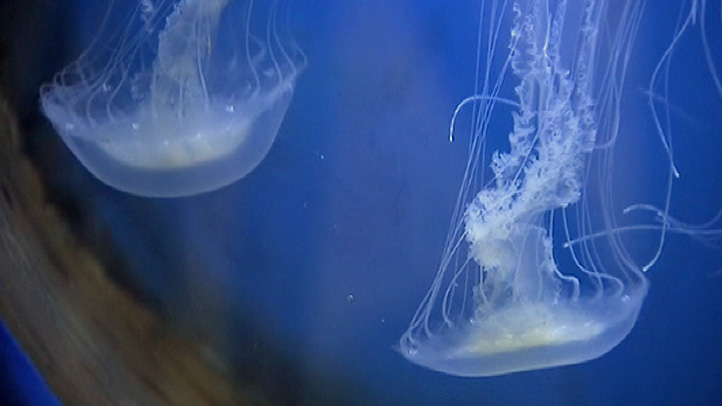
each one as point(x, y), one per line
point(326, 249)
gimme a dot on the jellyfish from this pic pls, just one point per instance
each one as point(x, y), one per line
point(182, 98)
point(536, 271)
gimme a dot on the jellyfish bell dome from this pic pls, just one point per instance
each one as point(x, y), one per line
point(511, 307)
point(186, 98)
point(533, 317)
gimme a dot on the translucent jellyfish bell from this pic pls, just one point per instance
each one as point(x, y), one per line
point(501, 301)
point(186, 98)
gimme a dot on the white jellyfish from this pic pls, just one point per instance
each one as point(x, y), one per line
point(186, 98)
point(501, 301)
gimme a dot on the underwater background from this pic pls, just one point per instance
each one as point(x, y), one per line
point(306, 272)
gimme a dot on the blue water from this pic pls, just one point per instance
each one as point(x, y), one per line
point(326, 249)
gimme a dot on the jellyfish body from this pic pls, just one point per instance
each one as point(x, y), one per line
point(500, 302)
point(187, 98)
